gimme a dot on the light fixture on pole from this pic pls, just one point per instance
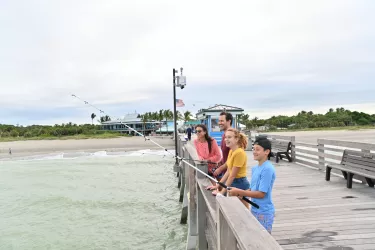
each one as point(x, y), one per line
point(178, 81)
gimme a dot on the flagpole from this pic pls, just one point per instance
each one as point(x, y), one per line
point(174, 114)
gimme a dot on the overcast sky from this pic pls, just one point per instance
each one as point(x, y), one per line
point(268, 57)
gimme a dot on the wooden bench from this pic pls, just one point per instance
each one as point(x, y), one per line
point(280, 149)
point(355, 162)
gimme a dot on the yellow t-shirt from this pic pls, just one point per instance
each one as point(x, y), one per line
point(237, 158)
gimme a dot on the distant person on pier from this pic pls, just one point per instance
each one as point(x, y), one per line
point(236, 174)
point(262, 179)
point(207, 148)
point(189, 131)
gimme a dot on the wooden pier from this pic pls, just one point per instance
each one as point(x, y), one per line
point(311, 213)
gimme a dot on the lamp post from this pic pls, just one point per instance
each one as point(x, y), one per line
point(181, 82)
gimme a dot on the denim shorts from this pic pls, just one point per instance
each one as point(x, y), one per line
point(241, 183)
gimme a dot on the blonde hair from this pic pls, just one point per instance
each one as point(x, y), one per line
point(242, 138)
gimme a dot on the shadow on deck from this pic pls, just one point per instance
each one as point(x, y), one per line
point(312, 213)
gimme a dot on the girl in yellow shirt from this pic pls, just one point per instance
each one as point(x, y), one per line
point(236, 164)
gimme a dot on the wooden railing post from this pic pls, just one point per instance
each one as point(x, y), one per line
point(203, 168)
point(185, 188)
point(321, 157)
point(202, 220)
point(181, 181)
point(293, 140)
point(237, 228)
point(183, 176)
point(192, 210)
point(225, 237)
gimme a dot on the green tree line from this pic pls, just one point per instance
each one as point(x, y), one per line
point(164, 115)
point(70, 129)
point(57, 130)
point(338, 117)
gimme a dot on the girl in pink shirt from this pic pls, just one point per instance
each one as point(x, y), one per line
point(207, 148)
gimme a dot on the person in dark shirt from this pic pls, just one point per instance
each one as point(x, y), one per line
point(188, 131)
point(225, 122)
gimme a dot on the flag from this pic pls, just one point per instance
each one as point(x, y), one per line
point(180, 103)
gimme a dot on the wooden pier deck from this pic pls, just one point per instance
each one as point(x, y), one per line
point(312, 213)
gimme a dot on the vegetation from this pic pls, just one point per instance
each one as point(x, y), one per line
point(74, 131)
point(333, 119)
point(339, 118)
point(164, 115)
point(63, 131)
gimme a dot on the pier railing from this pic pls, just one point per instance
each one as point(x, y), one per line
point(224, 222)
point(215, 222)
point(322, 153)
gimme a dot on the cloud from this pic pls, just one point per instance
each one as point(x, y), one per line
point(120, 54)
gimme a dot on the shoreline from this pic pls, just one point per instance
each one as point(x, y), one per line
point(45, 147)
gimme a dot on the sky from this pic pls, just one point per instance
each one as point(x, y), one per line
point(268, 57)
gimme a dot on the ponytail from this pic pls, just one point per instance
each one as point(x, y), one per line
point(242, 138)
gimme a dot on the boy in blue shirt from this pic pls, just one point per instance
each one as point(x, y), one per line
point(262, 180)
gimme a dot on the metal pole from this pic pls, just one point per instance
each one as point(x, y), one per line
point(174, 114)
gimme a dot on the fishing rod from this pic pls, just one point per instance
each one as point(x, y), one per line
point(180, 159)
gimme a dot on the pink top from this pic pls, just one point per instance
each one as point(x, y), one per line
point(203, 152)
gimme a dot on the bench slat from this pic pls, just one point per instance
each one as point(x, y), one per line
point(354, 165)
point(358, 158)
point(280, 146)
point(360, 153)
point(360, 163)
point(279, 143)
point(355, 170)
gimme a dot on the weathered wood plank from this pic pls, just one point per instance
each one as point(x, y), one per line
point(307, 163)
point(280, 137)
point(208, 197)
point(321, 154)
point(317, 242)
point(192, 206)
point(293, 154)
point(338, 150)
point(202, 221)
point(308, 145)
point(306, 203)
point(226, 240)
point(249, 233)
point(307, 157)
point(347, 144)
point(211, 232)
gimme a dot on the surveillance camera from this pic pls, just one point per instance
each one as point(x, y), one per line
point(182, 81)
point(182, 85)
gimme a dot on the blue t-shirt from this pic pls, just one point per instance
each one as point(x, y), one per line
point(262, 179)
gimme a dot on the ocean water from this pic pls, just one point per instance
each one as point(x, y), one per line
point(91, 201)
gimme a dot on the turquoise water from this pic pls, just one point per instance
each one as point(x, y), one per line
point(85, 201)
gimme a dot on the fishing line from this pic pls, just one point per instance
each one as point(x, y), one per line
point(180, 159)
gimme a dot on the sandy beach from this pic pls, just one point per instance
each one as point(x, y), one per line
point(365, 135)
point(40, 147)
